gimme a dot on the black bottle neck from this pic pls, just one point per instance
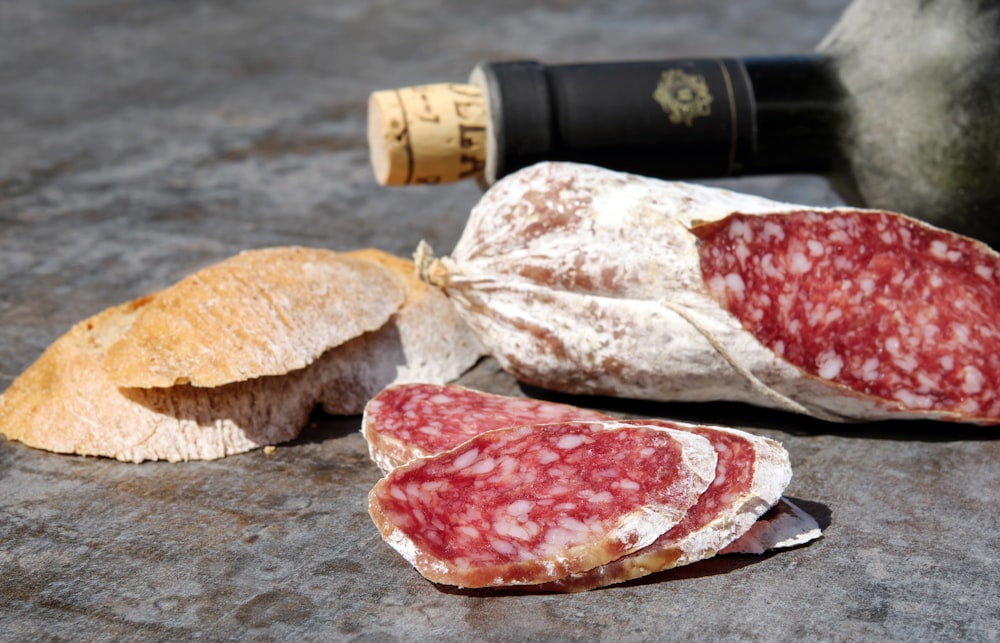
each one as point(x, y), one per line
point(694, 118)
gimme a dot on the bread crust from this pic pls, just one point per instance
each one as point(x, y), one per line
point(68, 401)
point(261, 312)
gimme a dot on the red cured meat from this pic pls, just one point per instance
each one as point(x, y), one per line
point(873, 301)
point(750, 475)
point(418, 420)
point(532, 504)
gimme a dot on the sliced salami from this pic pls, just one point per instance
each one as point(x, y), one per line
point(588, 281)
point(532, 504)
point(411, 421)
point(750, 476)
point(784, 525)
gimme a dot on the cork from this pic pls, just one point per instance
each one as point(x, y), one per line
point(427, 134)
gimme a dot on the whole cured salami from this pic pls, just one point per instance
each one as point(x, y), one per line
point(532, 504)
point(584, 280)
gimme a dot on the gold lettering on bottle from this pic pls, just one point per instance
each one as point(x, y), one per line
point(683, 96)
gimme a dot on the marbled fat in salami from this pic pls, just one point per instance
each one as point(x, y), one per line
point(532, 504)
point(417, 420)
point(750, 476)
point(870, 300)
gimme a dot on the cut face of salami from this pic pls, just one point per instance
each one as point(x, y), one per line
point(869, 300)
point(532, 504)
point(411, 421)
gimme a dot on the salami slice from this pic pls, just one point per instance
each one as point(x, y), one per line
point(784, 525)
point(527, 505)
point(750, 476)
point(411, 421)
point(589, 281)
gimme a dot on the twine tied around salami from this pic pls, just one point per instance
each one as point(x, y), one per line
point(589, 281)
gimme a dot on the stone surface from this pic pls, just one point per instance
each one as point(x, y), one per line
point(143, 140)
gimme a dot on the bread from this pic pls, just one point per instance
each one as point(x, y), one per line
point(262, 312)
point(66, 402)
point(70, 400)
point(425, 341)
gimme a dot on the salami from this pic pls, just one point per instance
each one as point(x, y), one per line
point(750, 475)
point(589, 281)
point(869, 300)
point(531, 504)
point(782, 526)
point(409, 421)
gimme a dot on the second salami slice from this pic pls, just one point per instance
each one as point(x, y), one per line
point(750, 476)
point(533, 504)
point(411, 421)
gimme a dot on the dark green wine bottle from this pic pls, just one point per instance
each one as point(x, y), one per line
point(673, 119)
point(899, 108)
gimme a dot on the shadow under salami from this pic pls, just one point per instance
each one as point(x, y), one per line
point(757, 418)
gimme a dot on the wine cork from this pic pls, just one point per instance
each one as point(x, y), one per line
point(427, 134)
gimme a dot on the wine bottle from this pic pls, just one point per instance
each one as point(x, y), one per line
point(899, 107)
point(678, 118)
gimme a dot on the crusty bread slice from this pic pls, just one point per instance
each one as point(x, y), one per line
point(425, 341)
point(67, 402)
point(261, 312)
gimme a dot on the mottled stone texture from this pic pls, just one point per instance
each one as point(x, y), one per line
point(143, 140)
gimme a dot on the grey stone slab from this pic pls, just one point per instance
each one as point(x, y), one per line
point(143, 140)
